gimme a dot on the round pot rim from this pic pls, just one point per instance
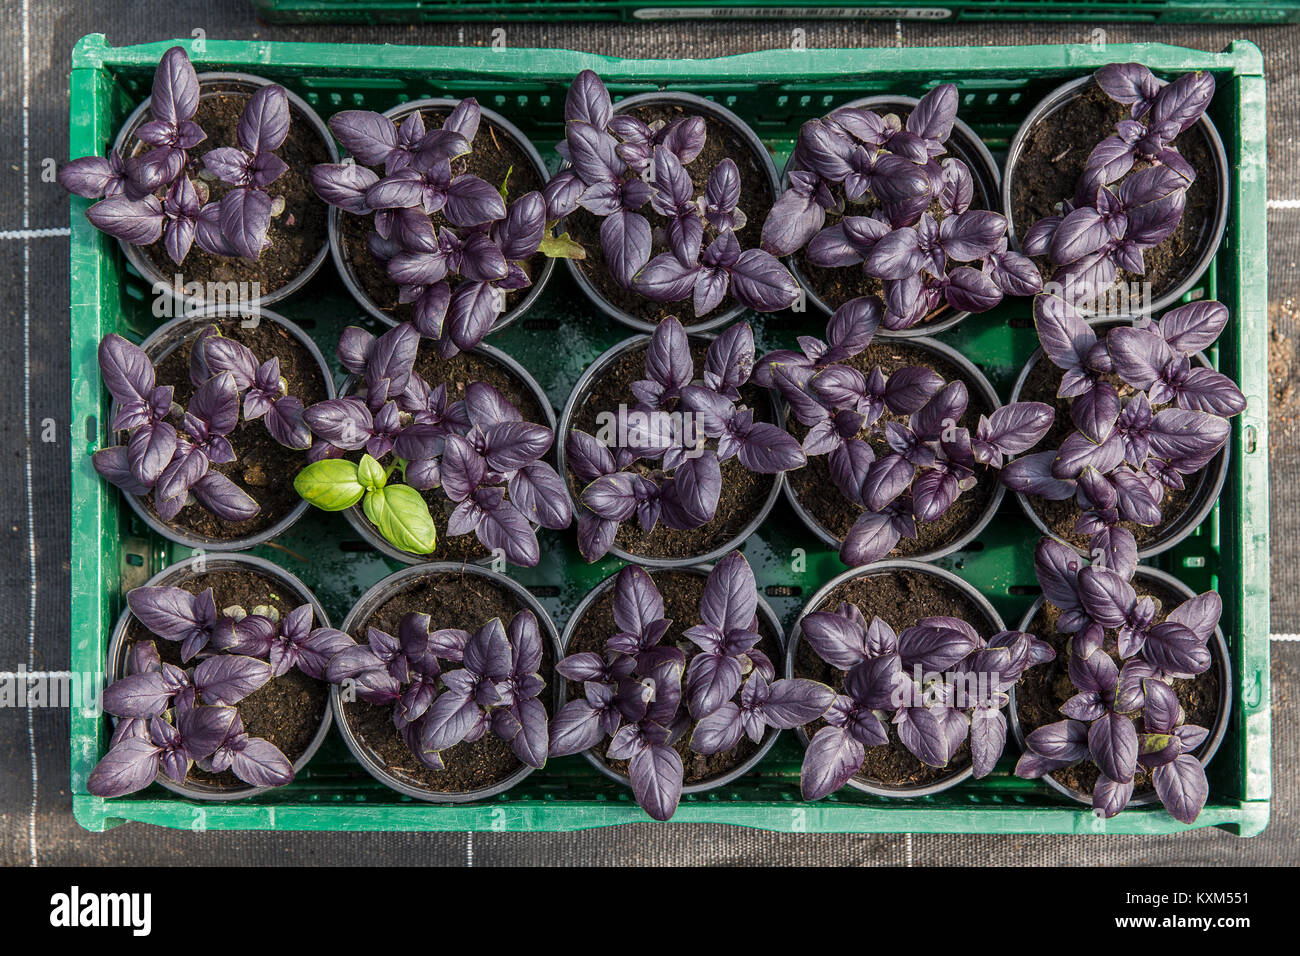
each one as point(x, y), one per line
point(981, 382)
point(720, 113)
point(1214, 475)
point(888, 565)
point(988, 172)
point(361, 524)
point(388, 587)
point(185, 538)
point(584, 383)
point(182, 569)
point(1221, 718)
point(700, 786)
point(344, 269)
point(150, 272)
point(1057, 98)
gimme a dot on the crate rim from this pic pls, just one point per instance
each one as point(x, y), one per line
point(1242, 57)
point(1246, 812)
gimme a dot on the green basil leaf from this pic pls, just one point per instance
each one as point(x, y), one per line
point(404, 519)
point(561, 247)
point(330, 485)
point(370, 473)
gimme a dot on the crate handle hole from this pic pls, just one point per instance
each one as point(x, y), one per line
point(92, 428)
point(1252, 439)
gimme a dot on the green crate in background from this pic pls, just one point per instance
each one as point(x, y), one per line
point(775, 92)
point(644, 11)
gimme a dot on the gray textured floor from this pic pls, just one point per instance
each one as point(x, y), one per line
point(36, 824)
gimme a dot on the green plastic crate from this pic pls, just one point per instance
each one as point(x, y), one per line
point(775, 91)
point(925, 11)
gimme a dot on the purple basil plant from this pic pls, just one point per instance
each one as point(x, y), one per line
point(618, 164)
point(938, 682)
point(170, 718)
point(170, 450)
point(479, 451)
point(1125, 717)
point(1146, 416)
point(633, 693)
point(901, 214)
point(446, 237)
point(163, 193)
point(495, 689)
point(666, 461)
point(930, 460)
point(1133, 190)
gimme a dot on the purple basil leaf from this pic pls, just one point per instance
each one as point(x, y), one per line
point(656, 773)
point(245, 219)
point(130, 765)
point(229, 678)
point(588, 101)
point(1113, 744)
point(832, 758)
point(1182, 787)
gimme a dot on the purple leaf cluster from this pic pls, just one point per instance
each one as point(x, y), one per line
point(170, 450)
point(1136, 440)
point(633, 690)
point(617, 165)
point(163, 192)
point(446, 237)
point(938, 682)
point(479, 450)
point(494, 689)
point(1124, 656)
point(1116, 213)
point(930, 461)
point(902, 213)
point(170, 717)
point(666, 464)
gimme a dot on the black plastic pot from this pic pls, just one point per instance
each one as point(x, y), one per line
point(1212, 476)
point(492, 118)
point(357, 518)
point(374, 598)
point(964, 144)
point(161, 343)
point(1208, 748)
point(994, 622)
point(594, 758)
point(214, 84)
point(1060, 98)
point(699, 106)
point(585, 382)
point(171, 576)
point(985, 388)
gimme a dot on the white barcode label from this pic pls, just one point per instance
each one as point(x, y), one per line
point(775, 13)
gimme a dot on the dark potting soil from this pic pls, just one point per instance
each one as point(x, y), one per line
point(263, 467)
point(744, 493)
point(286, 710)
point(465, 601)
point(837, 286)
point(901, 598)
point(1044, 688)
point(818, 493)
point(1040, 386)
point(457, 373)
point(756, 198)
point(495, 155)
point(681, 591)
point(1056, 152)
point(297, 235)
